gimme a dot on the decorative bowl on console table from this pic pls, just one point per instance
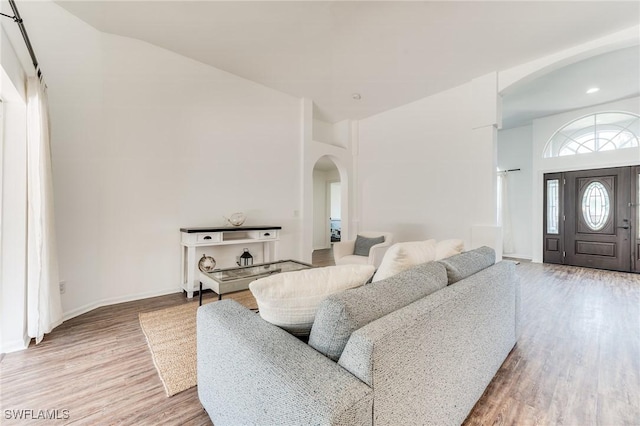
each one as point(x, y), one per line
point(236, 219)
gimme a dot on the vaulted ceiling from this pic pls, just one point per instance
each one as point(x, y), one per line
point(615, 75)
point(391, 53)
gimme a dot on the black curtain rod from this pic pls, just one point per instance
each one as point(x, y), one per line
point(510, 170)
point(18, 20)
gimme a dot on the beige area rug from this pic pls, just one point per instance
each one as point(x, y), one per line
point(171, 336)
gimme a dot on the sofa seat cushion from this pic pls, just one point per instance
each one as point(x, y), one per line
point(468, 263)
point(290, 299)
point(341, 314)
point(353, 259)
point(402, 256)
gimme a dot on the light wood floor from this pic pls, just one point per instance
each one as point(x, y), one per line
point(576, 363)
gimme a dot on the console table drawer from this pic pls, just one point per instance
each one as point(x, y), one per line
point(201, 238)
point(208, 237)
point(268, 235)
point(264, 234)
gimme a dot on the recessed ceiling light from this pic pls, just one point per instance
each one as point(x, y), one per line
point(356, 96)
point(593, 90)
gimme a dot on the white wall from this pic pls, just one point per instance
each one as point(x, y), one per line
point(144, 142)
point(425, 171)
point(331, 133)
point(319, 209)
point(335, 204)
point(514, 152)
point(543, 129)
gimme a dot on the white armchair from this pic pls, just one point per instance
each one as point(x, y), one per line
point(343, 252)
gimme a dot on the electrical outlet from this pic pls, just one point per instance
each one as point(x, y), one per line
point(63, 287)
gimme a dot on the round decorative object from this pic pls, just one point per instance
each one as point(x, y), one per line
point(207, 263)
point(237, 219)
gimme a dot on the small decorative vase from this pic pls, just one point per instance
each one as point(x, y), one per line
point(246, 259)
point(207, 263)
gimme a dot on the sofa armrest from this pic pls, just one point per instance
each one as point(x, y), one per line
point(343, 248)
point(252, 372)
point(444, 348)
point(377, 252)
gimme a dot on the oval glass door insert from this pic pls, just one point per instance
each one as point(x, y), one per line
point(595, 206)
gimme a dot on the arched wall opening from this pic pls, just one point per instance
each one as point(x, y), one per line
point(533, 137)
point(340, 155)
point(339, 162)
point(330, 209)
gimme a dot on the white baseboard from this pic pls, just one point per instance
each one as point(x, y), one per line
point(115, 300)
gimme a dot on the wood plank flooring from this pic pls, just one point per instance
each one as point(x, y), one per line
point(577, 361)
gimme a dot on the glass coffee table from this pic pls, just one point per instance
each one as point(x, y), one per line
point(229, 280)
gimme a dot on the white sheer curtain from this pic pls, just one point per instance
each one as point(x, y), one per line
point(44, 307)
point(504, 213)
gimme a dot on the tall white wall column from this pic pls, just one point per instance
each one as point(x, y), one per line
point(486, 111)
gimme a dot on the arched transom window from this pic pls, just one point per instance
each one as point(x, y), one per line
point(604, 131)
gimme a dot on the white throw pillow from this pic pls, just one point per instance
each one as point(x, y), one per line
point(448, 248)
point(290, 299)
point(402, 256)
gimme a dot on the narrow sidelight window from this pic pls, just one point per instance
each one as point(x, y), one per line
point(553, 211)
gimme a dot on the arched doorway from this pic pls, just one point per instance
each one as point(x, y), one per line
point(327, 203)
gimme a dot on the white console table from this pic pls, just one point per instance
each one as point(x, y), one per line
point(192, 238)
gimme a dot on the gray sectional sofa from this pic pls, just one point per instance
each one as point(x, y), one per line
point(416, 348)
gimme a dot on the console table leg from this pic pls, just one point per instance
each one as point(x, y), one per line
point(191, 266)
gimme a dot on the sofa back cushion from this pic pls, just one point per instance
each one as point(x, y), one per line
point(341, 314)
point(468, 263)
point(290, 299)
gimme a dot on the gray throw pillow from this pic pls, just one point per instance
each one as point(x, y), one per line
point(364, 244)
